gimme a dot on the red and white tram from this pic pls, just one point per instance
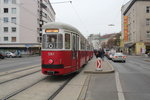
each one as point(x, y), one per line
point(64, 49)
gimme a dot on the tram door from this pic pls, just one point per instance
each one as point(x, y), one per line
point(75, 47)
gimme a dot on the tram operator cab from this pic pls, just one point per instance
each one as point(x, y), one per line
point(61, 52)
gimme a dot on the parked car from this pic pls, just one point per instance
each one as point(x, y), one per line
point(111, 56)
point(119, 57)
point(10, 55)
point(2, 56)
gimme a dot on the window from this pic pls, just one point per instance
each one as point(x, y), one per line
point(5, 19)
point(5, 29)
point(13, 10)
point(148, 9)
point(67, 41)
point(13, 1)
point(148, 34)
point(130, 37)
point(13, 29)
point(5, 38)
point(82, 44)
point(5, 1)
point(52, 41)
point(13, 20)
point(5, 10)
point(13, 39)
point(148, 22)
point(73, 42)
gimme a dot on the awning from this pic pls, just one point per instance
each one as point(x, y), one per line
point(19, 45)
point(128, 45)
point(147, 43)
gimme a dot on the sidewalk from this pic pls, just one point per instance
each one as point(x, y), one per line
point(106, 67)
point(87, 82)
point(100, 85)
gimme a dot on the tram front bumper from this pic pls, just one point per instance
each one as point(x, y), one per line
point(53, 69)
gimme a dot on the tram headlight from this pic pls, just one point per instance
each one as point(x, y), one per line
point(50, 61)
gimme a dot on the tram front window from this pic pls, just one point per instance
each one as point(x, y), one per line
point(52, 41)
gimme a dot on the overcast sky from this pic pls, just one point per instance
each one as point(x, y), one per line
point(90, 16)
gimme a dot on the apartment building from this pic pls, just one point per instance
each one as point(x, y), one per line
point(136, 26)
point(21, 24)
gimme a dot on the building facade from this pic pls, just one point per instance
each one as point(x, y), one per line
point(94, 39)
point(21, 23)
point(136, 26)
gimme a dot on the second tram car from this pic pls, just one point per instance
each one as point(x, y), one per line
point(64, 49)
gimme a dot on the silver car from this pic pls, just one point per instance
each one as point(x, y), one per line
point(119, 57)
point(10, 55)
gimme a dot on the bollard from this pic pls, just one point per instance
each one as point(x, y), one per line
point(99, 64)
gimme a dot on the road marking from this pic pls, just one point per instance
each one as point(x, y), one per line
point(119, 87)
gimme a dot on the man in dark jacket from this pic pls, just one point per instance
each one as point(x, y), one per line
point(101, 53)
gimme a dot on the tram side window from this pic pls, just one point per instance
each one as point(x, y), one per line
point(44, 41)
point(60, 41)
point(82, 44)
point(77, 42)
point(74, 43)
point(67, 41)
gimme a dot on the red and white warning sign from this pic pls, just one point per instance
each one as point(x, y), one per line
point(99, 64)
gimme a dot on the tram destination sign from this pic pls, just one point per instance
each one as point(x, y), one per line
point(51, 30)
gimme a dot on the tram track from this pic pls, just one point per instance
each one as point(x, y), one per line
point(59, 89)
point(16, 86)
point(20, 70)
point(45, 89)
point(19, 91)
point(17, 74)
point(18, 77)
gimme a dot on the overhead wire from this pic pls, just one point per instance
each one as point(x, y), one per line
point(27, 10)
point(118, 13)
point(81, 22)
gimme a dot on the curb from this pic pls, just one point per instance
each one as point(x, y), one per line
point(99, 72)
point(147, 60)
point(102, 72)
point(111, 66)
point(84, 89)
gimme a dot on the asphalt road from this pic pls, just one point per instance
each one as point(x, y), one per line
point(134, 76)
point(131, 80)
point(8, 64)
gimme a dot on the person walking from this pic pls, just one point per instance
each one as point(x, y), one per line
point(101, 54)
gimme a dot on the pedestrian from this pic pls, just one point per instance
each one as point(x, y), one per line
point(101, 54)
point(96, 54)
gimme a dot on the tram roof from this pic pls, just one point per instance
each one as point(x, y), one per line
point(61, 26)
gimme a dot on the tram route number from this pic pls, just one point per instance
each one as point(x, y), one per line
point(50, 54)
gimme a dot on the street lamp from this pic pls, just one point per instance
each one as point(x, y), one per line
point(111, 25)
point(61, 2)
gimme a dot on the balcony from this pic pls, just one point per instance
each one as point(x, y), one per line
point(43, 5)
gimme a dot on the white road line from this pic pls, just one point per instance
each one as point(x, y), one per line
point(119, 88)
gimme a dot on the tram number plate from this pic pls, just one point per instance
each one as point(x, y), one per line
point(50, 54)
